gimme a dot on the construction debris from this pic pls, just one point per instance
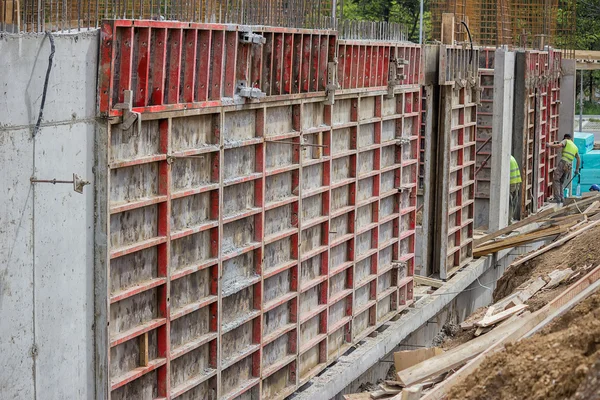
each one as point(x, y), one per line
point(526, 303)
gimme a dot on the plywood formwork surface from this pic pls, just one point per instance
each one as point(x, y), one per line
point(254, 242)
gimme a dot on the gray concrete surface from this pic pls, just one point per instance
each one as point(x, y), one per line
point(469, 289)
point(46, 234)
point(504, 84)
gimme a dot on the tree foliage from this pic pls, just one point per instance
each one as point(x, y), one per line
point(405, 12)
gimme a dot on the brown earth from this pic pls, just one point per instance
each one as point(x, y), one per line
point(590, 387)
point(582, 251)
point(550, 365)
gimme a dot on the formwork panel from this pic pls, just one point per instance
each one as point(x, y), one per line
point(460, 95)
point(258, 239)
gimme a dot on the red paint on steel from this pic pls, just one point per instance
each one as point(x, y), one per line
point(142, 69)
point(216, 65)
point(188, 63)
point(158, 54)
point(105, 69)
point(231, 49)
point(204, 64)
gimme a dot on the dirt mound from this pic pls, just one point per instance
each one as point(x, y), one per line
point(575, 254)
point(590, 387)
point(550, 365)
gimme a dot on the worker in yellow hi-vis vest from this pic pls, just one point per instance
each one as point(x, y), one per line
point(563, 170)
point(515, 188)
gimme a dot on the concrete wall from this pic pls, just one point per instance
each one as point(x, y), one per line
point(567, 97)
point(46, 231)
point(504, 85)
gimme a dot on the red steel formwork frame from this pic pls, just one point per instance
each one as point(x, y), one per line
point(552, 103)
point(542, 83)
point(485, 113)
point(251, 243)
point(459, 80)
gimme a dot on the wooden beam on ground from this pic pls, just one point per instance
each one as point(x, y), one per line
point(519, 240)
point(494, 319)
point(553, 245)
point(412, 393)
point(529, 220)
point(531, 322)
point(456, 357)
point(424, 281)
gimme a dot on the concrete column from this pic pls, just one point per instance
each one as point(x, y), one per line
point(502, 125)
point(567, 97)
point(519, 134)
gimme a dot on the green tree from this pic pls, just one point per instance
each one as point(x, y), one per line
point(405, 12)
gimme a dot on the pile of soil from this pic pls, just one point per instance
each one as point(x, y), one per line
point(590, 387)
point(550, 365)
point(575, 254)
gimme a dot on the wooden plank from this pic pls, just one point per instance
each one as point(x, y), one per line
point(447, 29)
point(494, 319)
point(407, 358)
point(519, 240)
point(592, 208)
point(144, 350)
point(558, 276)
point(552, 245)
point(424, 281)
point(412, 393)
point(531, 289)
point(529, 220)
point(357, 396)
point(456, 357)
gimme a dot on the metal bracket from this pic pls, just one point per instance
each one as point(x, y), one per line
point(332, 84)
point(77, 182)
point(129, 117)
point(396, 75)
point(249, 37)
point(249, 92)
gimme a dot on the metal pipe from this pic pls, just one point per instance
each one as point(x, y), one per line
point(299, 144)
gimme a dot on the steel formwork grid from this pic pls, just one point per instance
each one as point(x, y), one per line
point(484, 123)
point(459, 79)
point(251, 243)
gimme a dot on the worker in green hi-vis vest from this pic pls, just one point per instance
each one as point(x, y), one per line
point(515, 188)
point(564, 167)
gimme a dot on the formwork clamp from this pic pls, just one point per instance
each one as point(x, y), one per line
point(402, 141)
point(332, 84)
point(249, 37)
point(249, 92)
point(129, 117)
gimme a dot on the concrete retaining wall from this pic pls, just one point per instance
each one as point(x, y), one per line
point(46, 231)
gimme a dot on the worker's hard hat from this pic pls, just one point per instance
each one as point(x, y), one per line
point(595, 188)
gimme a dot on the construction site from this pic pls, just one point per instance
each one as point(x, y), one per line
point(277, 199)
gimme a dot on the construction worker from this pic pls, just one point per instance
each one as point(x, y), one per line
point(594, 188)
point(515, 187)
point(563, 170)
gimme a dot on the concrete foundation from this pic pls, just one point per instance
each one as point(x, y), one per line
point(504, 83)
point(46, 234)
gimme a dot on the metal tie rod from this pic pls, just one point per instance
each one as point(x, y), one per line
point(298, 144)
